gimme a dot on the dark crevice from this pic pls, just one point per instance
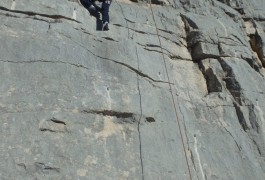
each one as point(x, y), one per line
point(129, 20)
point(253, 119)
point(53, 125)
point(152, 50)
point(33, 18)
point(257, 146)
point(253, 64)
point(110, 39)
point(150, 119)
point(42, 167)
point(141, 115)
point(58, 121)
point(22, 165)
point(166, 31)
point(46, 129)
point(176, 57)
point(238, 39)
point(231, 82)
point(152, 45)
point(30, 13)
point(257, 46)
point(238, 146)
point(84, 31)
point(241, 118)
point(138, 31)
point(156, 2)
point(212, 82)
point(110, 113)
point(119, 25)
point(43, 61)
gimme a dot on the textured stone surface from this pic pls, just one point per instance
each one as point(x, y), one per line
point(78, 103)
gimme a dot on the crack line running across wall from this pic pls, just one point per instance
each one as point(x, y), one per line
point(139, 121)
point(112, 60)
point(31, 13)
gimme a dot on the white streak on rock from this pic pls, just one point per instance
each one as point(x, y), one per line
point(222, 24)
point(198, 157)
point(74, 14)
point(13, 5)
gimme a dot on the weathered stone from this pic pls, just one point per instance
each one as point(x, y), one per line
point(79, 103)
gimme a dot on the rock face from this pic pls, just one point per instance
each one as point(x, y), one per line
point(78, 103)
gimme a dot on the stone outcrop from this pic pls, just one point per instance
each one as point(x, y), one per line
point(79, 103)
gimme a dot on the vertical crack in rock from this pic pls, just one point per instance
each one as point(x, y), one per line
point(249, 121)
point(238, 146)
point(188, 28)
point(257, 46)
point(241, 117)
point(257, 146)
point(212, 81)
point(199, 49)
point(232, 84)
point(139, 121)
point(126, 20)
point(253, 119)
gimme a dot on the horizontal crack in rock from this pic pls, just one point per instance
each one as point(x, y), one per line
point(30, 13)
point(110, 113)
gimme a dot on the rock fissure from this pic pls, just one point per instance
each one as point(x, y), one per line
point(33, 18)
point(43, 61)
point(231, 83)
point(89, 102)
point(31, 13)
point(110, 113)
point(82, 66)
point(117, 62)
point(41, 167)
point(140, 118)
point(257, 46)
point(53, 125)
point(212, 81)
point(238, 146)
point(257, 146)
point(126, 20)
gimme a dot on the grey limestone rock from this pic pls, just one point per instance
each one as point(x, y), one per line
point(181, 97)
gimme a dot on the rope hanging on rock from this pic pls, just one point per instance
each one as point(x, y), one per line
point(170, 89)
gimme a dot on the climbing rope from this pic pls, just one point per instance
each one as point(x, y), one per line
point(170, 89)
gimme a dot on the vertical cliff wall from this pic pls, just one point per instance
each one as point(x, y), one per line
point(78, 103)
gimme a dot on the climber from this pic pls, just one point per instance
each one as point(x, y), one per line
point(91, 7)
point(105, 14)
point(94, 9)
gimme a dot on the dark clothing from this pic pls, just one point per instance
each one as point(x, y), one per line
point(105, 10)
point(90, 5)
point(86, 3)
point(95, 11)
